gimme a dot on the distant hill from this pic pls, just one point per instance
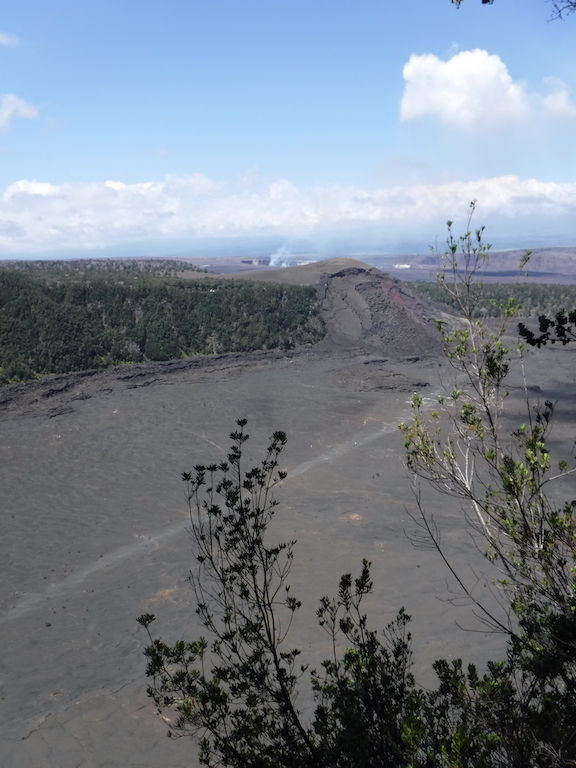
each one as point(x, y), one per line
point(363, 307)
point(546, 265)
point(543, 261)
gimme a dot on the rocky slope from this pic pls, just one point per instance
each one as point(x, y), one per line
point(365, 308)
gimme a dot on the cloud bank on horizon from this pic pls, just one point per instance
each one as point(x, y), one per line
point(38, 217)
point(252, 141)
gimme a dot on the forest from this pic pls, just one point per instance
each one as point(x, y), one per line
point(490, 299)
point(69, 316)
point(134, 267)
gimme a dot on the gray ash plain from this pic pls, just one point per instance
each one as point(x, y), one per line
point(94, 518)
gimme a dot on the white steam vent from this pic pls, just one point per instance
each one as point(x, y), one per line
point(280, 258)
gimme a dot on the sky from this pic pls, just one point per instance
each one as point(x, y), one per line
point(166, 127)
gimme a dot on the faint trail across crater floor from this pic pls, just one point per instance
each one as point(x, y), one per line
point(145, 544)
point(355, 441)
point(148, 543)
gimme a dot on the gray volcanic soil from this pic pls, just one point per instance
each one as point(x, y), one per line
point(94, 519)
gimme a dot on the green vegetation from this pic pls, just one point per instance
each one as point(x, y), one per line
point(57, 318)
point(76, 268)
point(237, 691)
point(503, 482)
point(533, 299)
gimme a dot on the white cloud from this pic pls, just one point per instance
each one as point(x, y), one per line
point(30, 188)
point(9, 40)
point(13, 106)
point(38, 217)
point(474, 89)
point(558, 103)
point(117, 185)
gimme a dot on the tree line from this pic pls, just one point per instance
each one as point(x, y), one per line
point(72, 268)
point(490, 300)
point(60, 320)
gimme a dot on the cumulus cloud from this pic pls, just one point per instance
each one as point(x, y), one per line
point(38, 217)
point(13, 106)
point(30, 188)
point(474, 89)
point(9, 40)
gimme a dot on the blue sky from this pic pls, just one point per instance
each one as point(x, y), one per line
point(167, 126)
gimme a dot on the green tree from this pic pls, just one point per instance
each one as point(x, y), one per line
point(502, 481)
